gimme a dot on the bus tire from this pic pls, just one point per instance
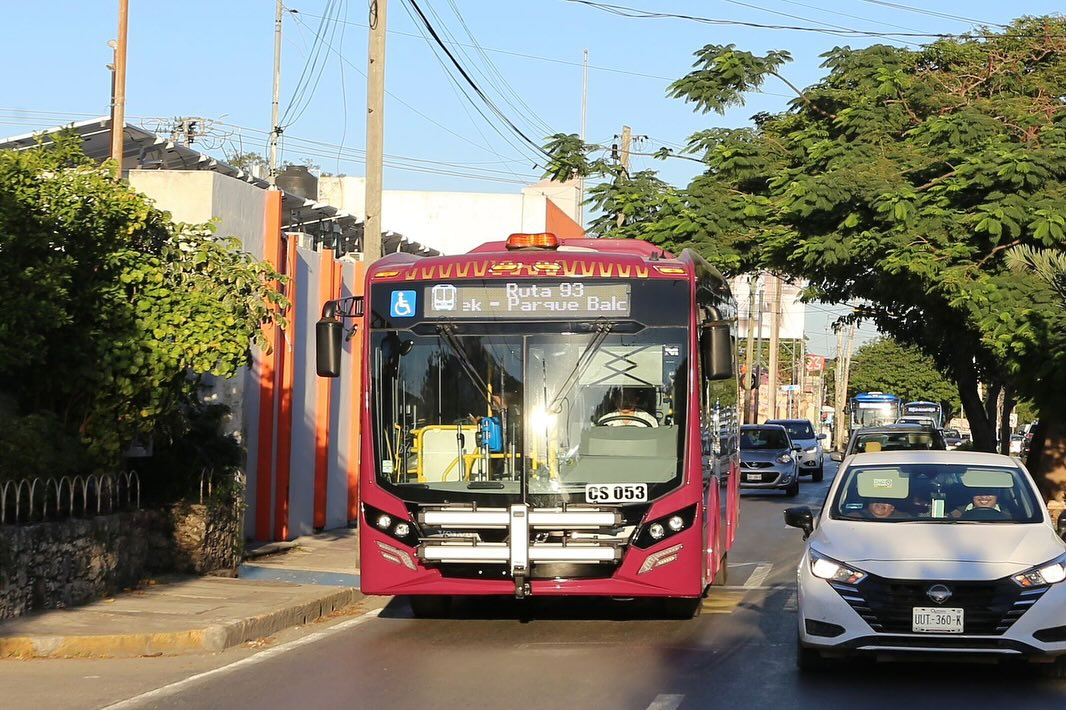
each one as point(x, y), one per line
point(681, 608)
point(430, 606)
point(721, 578)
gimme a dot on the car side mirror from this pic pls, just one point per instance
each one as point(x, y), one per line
point(822, 437)
point(800, 517)
point(1060, 527)
point(836, 456)
point(797, 447)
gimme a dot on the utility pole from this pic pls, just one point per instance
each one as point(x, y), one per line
point(749, 353)
point(843, 375)
point(623, 159)
point(375, 131)
point(775, 335)
point(118, 113)
point(758, 350)
point(584, 115)
point(275, 129)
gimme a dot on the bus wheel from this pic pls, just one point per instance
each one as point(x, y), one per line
point(430, 606)
point(681, 607)
point(721, 578)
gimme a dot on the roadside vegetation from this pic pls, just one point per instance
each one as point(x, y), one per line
point(910, 180)
point(112, 316)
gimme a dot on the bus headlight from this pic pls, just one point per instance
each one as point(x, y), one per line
point(675, 523)
point(657, 531)
point(665, 526)
point(384, 521)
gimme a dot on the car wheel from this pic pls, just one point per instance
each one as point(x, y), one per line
point(430, 606)
point(793, 489)
point(819, 473)
point(809, 660)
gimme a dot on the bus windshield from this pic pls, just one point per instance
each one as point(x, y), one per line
point(476, 407)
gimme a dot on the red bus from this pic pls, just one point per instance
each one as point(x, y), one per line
point(544, 417)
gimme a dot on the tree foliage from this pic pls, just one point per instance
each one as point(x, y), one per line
point(884, 365)
point(900, 180)
point(111, 311)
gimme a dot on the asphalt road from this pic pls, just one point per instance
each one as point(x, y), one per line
point(739, 653)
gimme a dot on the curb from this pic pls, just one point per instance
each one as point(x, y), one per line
point(211, 639)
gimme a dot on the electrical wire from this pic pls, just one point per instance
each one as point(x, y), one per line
point(314, 67)
point(538, 150)
point(933, 13)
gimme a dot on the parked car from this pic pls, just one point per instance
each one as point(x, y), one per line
point(892, 437)
point(932, 553)
point(1014, 447)
point(952, 438)
point(768, 458)
point(811, 457)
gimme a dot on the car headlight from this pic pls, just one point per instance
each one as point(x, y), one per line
point(1051, 572)
point(829, 569)
point(784, 458)
point(812, 450)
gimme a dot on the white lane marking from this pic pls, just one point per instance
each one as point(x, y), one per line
point(792, 603)
point(759, 576)
point(176, 687)
point(666, 702)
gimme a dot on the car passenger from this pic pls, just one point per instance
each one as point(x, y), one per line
point(883, 509)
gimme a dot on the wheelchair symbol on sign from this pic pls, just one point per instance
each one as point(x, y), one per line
point(403, 304)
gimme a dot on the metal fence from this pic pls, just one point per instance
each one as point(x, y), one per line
point(30, 500)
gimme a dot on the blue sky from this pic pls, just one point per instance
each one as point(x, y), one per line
point(214, 60)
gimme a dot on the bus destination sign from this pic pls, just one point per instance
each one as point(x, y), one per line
point(567, 299)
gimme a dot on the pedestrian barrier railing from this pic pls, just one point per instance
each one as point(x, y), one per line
point(29, 500)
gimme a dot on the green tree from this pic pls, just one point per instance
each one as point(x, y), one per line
point(883, 365)
point(900, 180)
point(112, 312)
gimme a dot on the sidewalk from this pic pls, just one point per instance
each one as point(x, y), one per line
point(280, 585)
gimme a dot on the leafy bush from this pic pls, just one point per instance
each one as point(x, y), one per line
point(37, 445)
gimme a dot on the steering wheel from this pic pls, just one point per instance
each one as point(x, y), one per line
point(623, 420)
point(984, 514)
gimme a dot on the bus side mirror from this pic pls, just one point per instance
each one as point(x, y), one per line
point(329, 338)
point(716, 346)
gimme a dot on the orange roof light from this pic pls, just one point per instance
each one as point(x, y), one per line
point(538, 240)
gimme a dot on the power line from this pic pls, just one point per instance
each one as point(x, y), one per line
point(466, 76)
point(636, 13)
point(933, 13)
point(295, 15)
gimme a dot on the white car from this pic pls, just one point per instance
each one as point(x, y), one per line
point(935, 553)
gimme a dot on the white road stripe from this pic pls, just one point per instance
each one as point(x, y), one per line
point(174, 688)
point(759, 576)
point(666, 702)
point(792, 603)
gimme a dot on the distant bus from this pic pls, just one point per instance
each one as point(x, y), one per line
point(873, 409)
point(921, 409)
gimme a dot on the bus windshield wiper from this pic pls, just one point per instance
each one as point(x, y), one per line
point(603, 329)
point(447, 334)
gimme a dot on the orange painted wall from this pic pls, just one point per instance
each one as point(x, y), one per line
point(328, 287)
point(559, 223)
point(283, 466)
point(269, 362)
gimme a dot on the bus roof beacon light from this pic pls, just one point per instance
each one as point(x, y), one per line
point(537, 240)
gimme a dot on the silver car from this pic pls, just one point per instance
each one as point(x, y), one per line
point(768, 458)
point(810, 457)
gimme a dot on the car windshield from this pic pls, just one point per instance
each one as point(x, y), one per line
point(953, 433)
point(869, 442)
point(935, 492)
point(798, 430)
point(765, 439)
